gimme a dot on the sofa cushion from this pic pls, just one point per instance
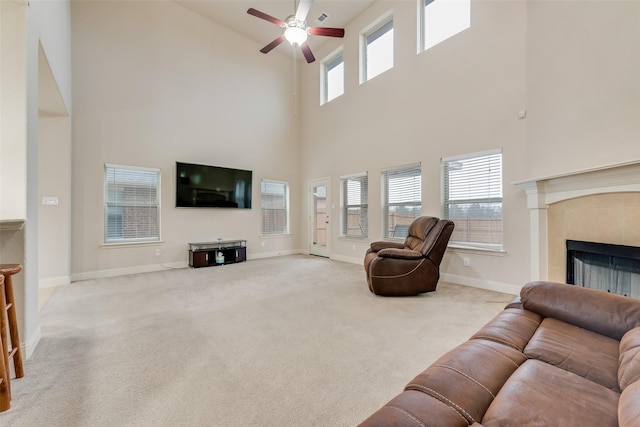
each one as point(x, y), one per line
point(539, 394)
point(468, 377)
point(575, 349)
point(628, 408)
point(413, 408)
point(512, 327)
point(629, 370)
point(595, 310)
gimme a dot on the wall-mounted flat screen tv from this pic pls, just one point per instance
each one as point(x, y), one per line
point(203, 186)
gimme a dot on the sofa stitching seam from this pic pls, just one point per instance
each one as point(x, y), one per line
point(504, 355)
point(505, 342)
point(401, 275)
point(469, 377)
point(405, 412)
point(537, 322)
point(444, 399)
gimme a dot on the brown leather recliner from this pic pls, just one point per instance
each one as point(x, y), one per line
point(412, 267)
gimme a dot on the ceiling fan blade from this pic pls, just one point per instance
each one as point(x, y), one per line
point(324, 31)
point(262, 15)
point(306, 51)
point(273, 44)
point(303, 9)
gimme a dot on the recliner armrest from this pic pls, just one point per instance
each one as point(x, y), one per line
point(383, 244)
point(400, 253)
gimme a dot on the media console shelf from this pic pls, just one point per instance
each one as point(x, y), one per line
point(205, 254)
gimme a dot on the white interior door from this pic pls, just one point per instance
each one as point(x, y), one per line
point(319, 221)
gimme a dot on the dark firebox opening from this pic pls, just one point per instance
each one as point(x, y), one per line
point(603, 266)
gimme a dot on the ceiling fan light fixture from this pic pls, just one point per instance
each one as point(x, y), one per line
point(295, 35)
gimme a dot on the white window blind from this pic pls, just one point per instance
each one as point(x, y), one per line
point(334, 77)
point(402, 189)
point(355, 207)
point(472, 190)
point(378, 49)
point(274, 202)
point(132, 204)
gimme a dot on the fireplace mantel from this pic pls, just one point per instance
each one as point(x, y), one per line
point(541, 192)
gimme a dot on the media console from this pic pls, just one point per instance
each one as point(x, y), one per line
point(205, 254)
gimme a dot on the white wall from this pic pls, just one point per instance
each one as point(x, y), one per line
point(54, 221)
point(583, 87)
point(155, 83)
point(461, 96)
point(13, 127)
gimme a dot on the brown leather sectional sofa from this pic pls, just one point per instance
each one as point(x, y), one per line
point(560, 355)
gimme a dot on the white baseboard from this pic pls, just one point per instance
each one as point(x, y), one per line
point(349, 259)
point(98, 274)
point(261, 255)
point(490, 285)
point(52, 282)
point(29, 347)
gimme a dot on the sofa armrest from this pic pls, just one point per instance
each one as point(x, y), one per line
point(383, 244)
point(601, 312)
point(400, 253)
point(515, 303)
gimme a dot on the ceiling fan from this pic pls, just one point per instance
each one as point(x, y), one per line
point(296, 29)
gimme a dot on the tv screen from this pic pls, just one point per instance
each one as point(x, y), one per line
point(202, 186)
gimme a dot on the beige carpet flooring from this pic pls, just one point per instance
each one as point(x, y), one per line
point(287, 341)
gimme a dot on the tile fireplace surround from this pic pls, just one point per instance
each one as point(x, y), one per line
point(598, 205)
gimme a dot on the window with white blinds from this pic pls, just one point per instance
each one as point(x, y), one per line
point(472, 198)
point(402, 190)
point(355, 205)
point(132, 204)
point(274, 202)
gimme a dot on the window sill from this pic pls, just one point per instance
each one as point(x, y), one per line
point(354, 238)
point(458, 247)
point(274, 236)
point(130, 244)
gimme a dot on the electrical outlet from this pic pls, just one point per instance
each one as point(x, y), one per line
point(466, 261)
point(157, 252)
point(353, 247)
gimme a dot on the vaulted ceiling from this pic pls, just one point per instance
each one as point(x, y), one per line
point(233, 14)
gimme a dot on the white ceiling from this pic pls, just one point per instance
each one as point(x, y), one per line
point(233, 14)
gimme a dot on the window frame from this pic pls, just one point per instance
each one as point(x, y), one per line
point(422, 22)
point(363, 205)
point(370, 30)
point(445, 202)
point(386, 204)
point(108, 204)
point(287, 209)
point(329, 63)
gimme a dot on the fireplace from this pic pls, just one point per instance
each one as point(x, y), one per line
point(612, 215)
point(606, 267)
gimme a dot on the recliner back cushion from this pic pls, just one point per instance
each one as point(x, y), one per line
point(629, 370)
point(418, 232)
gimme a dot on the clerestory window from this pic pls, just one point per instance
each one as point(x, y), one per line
point(377, 48)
